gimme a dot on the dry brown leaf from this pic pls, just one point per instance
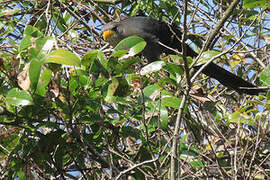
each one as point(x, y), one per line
point(23, 78)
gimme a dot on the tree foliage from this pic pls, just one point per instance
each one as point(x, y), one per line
point(71, 107)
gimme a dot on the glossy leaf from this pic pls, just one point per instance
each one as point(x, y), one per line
point(120, 53)
point(164, 117)
point(63, 57)
point(152, 67)
point(133, 44)
point(129, 42)
point(47, 45)
point(44, 80)
point(175, 71)
point(18, 97)
point(152, 91)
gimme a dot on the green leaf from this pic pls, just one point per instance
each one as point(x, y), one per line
point(32, 31)
point(18, 97)
point(45, 44)
point(25, 43)
point(206, 56)
point(100, 81)
point(137, 48)
point(152, 91)
point(152, 67)
point(190, 155)
point(41, 25)
point(127, 131)
point(164, 117)
point(256, 3)
point(167, 80)
point(83, 78)
point(171, 101)
point(74, 83)
point(175, 71)
point(197, 163)
point(99, 68)
point(40, 47)
point(34, 72)
point(9, 140)
point(94, 61)
point(125, 66)
point(119, 53)
point(265, 75)
point(128, 42)
point(133, 44)
point(174, 58)
point(244, 118)
point(44, 80)
point(132, 78)
point(89, 57)
point(62, 56)
point(21, 175)
point(61, 23)
point(111, 90)
point(97, 134)
point(123, 88)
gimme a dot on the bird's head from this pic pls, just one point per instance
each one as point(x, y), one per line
point(111, 33)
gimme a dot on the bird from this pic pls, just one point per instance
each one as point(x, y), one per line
point(159, 36)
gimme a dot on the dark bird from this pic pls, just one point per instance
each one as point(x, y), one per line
point(156, 33)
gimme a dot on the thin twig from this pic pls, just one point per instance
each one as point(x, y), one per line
point(135, 166)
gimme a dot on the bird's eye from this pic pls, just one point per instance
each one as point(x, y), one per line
point(114, 28)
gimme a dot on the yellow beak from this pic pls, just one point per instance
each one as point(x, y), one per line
point(107, 34)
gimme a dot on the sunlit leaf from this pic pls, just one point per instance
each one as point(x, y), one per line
point(120, 53)
point(206, 56)
point(18, 97)
point(164, 117)
point(175, 71)
point(32, 31)
point(44, 80)
point(240, 117)
point(265, 75)
point(256, 3)
point(48, 45)
point(152, 91)
point(152, 67)
point(64, 57)
point(133, 44)
point(25, 43)
point(129, 42)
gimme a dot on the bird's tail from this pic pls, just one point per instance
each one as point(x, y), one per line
point(229, 79)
